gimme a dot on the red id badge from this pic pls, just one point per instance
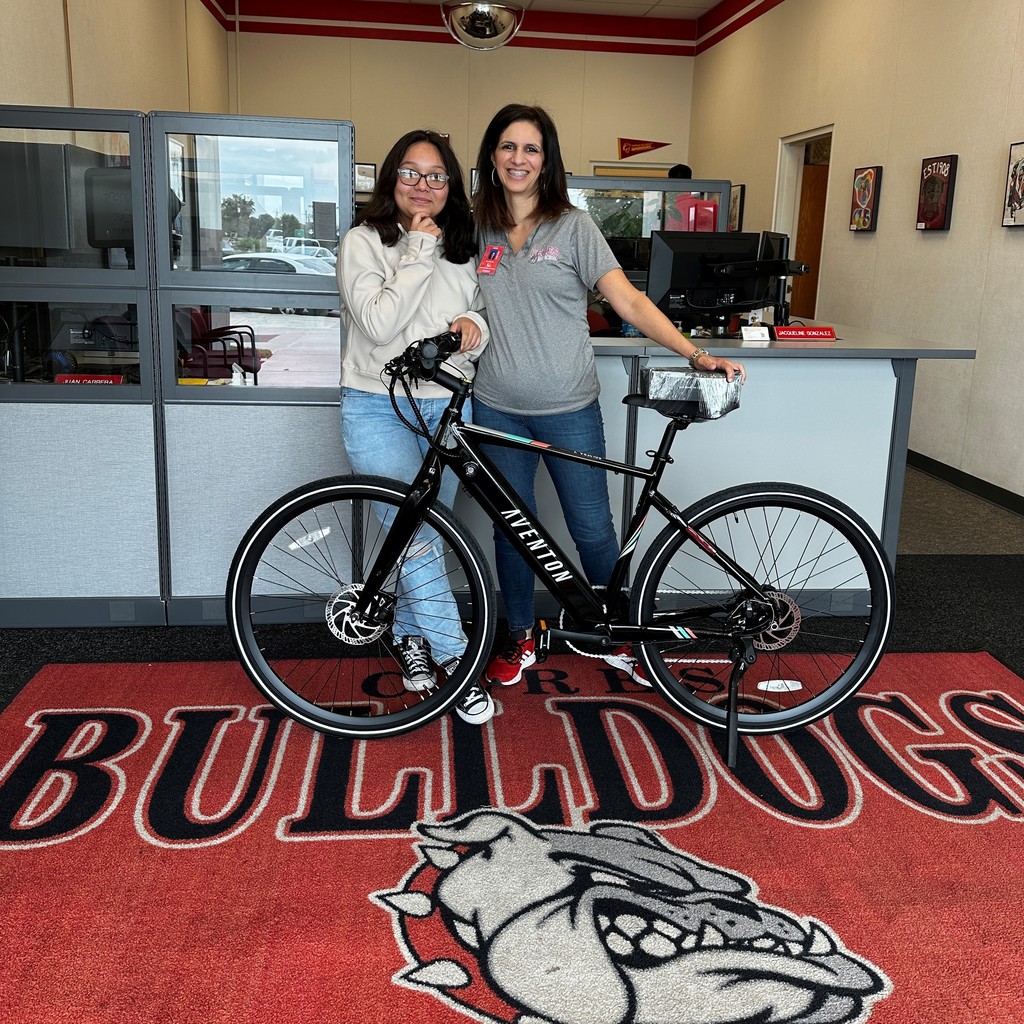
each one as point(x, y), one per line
point(491, 259)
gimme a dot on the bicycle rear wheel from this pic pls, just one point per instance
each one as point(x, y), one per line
point(832, 595)
point(293, 588)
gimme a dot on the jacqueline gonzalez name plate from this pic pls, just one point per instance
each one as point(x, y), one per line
point(805, 335)
point(795, 333)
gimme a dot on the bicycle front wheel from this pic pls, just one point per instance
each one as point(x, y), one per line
point(295, 588)
point(831, 591)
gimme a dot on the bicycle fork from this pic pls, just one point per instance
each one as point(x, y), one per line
point(400, 536)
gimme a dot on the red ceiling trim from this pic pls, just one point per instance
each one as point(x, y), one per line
point(378, 19)
point(375, 12)
point(227, 23)
point(523, 39)
point(715, 26)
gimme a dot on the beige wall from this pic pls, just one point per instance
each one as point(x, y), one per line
point(900, 80)
point(114, 54)
point(33, 54)
point(209, 69)
point(594, 97)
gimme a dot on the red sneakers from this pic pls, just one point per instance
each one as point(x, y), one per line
point(622, 658)
point(507, 668)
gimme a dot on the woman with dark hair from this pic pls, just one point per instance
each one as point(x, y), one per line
point(538, 378)
point(406, 271)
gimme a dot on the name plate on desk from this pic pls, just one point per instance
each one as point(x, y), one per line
point(805, 334)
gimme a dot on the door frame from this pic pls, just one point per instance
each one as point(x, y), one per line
point(789, 180)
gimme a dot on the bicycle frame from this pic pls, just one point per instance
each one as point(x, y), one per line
point(457, 445)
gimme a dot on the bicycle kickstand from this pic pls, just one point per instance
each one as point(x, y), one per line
point(742, 658)
point(543, 638)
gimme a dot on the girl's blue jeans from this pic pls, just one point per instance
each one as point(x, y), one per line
point(379, 444)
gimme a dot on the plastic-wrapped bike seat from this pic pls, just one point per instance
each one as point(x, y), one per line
point(683, 392)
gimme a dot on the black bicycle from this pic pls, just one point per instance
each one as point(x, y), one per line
point(756, 610)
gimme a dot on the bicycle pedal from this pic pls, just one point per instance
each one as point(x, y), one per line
point(542, 641)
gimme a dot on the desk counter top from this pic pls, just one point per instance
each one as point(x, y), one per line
point(850, 343)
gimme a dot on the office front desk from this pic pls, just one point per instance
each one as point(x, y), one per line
point(834, 416)
point(126, 551)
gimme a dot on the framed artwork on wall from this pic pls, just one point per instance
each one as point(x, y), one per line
point(935, 198)
point(1013, 197)
point(867, 183)
point(736, 196)
point(366, 177)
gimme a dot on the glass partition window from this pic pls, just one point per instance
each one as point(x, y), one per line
point(233, 196)
point(627, 217)
point(258, 345)
point(68, 343)
point(65, 199)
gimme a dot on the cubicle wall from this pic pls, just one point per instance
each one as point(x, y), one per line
point(129, 292)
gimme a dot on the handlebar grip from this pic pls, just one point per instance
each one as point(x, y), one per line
point(428, 352)
point(421, 358)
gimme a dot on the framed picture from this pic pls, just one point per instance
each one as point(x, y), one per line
point(366, 177)
point(867, 183)
point(1013, 197)
point(736, 196)
point(935, 199)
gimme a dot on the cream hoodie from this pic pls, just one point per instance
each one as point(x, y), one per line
point(394, 295)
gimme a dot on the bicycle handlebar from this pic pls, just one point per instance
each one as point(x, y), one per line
point(422, 359)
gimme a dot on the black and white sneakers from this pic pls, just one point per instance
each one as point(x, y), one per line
point(420, 675)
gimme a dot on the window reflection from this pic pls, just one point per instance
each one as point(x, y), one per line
point(236, 196)
point(68, 343)
point(627, 217)
point(65, 199)
point(257, 345)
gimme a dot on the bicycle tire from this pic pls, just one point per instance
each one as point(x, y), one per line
point(293, 580)
point(834, 604)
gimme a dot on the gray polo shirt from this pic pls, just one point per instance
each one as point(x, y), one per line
point(540, 359)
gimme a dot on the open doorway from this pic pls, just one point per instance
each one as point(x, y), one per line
point(800, 201)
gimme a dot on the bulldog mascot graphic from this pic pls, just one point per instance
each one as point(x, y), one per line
point(506, 921)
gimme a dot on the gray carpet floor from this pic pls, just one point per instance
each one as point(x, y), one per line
point(939, 519)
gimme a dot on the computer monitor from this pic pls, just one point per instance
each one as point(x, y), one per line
point(701, 279)
point(683, 283)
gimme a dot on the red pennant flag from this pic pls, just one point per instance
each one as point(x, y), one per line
point(631, 147)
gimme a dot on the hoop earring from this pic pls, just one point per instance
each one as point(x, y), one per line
point(494, 176)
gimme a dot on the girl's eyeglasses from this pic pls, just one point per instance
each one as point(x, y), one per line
point(407, 176)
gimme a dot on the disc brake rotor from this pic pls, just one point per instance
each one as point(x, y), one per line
point(786, 625)
point(346, 623)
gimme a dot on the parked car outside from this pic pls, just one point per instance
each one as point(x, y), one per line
point(281, 263)
point(292, 241)
point(277, 263)
point(314, 250)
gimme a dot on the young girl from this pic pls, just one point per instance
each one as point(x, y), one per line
point(407, 271)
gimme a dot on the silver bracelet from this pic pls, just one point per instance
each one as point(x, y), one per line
point(697, 353)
